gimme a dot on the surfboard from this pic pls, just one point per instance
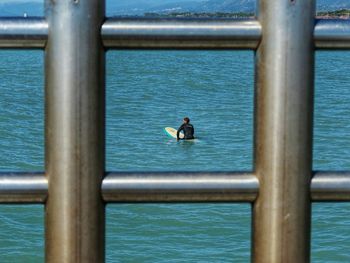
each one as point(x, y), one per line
point(171, 132)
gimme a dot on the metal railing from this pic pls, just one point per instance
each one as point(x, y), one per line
point(75, 186)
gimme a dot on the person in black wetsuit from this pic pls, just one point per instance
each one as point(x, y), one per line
point(187, 128)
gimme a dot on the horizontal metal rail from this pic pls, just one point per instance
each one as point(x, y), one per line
point(330, 186)
point(23, 188)
point(332, 34)
point(181, 33)
point(172, 33)
point(23, 32)
point(172, 187)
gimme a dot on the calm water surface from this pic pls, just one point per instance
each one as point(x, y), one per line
point(146, 91)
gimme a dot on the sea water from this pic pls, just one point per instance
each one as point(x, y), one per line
point(147, 91)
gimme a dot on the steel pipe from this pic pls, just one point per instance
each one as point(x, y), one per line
point(26, 33)
point(332, 34)
point(283, 131)
point(180, 187)
point(172, 187)
point(330, 186)
point(181, 34)
point(23, 188)
point(23, 32)
point(75, 131)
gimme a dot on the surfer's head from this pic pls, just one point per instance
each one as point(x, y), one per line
point(186, 120)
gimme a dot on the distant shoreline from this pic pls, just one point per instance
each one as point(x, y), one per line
point(342, 14)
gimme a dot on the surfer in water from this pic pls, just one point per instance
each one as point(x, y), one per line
point(187, 128)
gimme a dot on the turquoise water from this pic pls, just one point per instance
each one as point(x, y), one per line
point(146, 91)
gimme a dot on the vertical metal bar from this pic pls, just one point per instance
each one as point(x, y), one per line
point(283, 145)
point(75, 81)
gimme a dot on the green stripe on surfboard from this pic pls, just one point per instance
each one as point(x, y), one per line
point(171, 132)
